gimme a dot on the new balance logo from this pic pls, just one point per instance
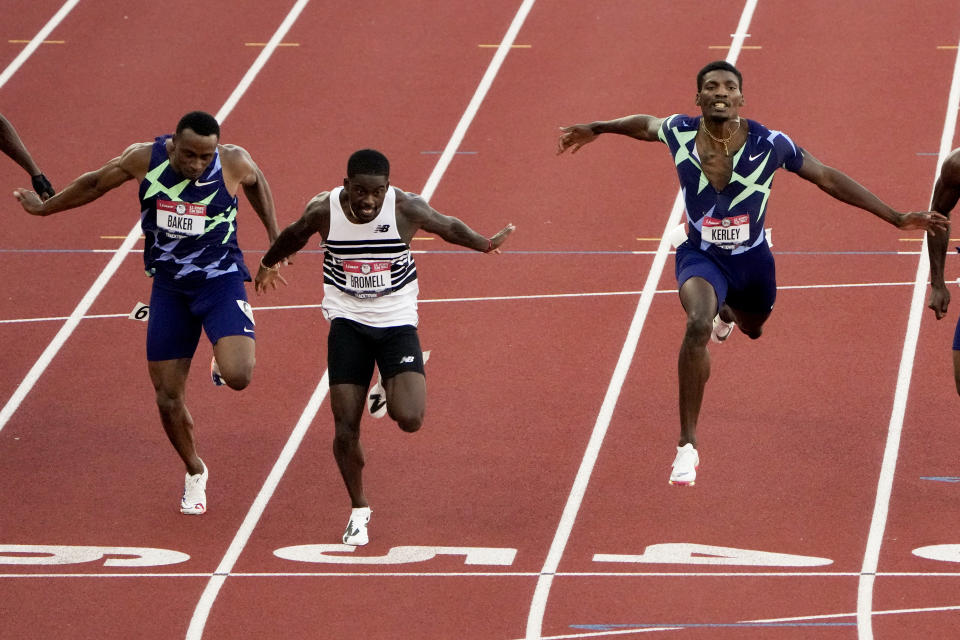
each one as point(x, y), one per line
point(381, 228)
point(377, 402)
point(407, 359)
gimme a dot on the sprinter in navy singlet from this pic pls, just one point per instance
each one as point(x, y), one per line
point(725, 270)
point(188, 212)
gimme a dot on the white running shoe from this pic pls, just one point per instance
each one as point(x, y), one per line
point(194, 500)
point(215, 373)
point(685, 466)
point(356, 532)
point(377, 397)
point(721, 329)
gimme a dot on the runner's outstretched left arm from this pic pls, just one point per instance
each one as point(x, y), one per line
point(846, 189)
point(453, 230)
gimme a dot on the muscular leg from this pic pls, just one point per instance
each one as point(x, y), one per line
point(693, 363)
point(750, 322)
point(407, 399)
point(347, 402)
point(169, 382)
point(235, 356)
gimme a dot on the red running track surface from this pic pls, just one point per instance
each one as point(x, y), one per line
point(772, 541)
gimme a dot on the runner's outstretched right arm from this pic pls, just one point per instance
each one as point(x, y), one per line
point(640, 127)
point(90, 185)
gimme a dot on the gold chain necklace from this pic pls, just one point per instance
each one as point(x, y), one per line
point(722, 141)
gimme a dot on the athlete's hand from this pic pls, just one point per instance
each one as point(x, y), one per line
point(939, 300)
point(267, 277)
point(42, 186)
point(926, 220)
point(500, 237)
point(574, 137)
point(30, 201)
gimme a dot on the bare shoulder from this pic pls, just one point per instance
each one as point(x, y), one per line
point(138, 148)
point(950, 171)
point(234, 155)
point(319, 202)
point(238, 165)
point(411, 205)
point(315, 218)
point(135, 159)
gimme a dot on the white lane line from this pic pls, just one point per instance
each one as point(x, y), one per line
point(488, 574)
point(746, 624)
point(541, 593)
point(33, 375)
point(485, 83)
point(881, 506)
point(532, 296)
point(37, 41)
point(202, 611)
point(37, 369)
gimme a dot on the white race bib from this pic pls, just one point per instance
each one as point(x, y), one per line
point(181, 218)
point(367, 278)
point(726, 233)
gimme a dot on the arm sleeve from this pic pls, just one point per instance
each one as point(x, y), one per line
point(664, 127)
point(788, 153)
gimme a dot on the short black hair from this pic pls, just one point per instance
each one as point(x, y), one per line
point(719, 65)
point(200, 122)
point(368, 162)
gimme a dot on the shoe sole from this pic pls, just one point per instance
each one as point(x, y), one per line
point(197, 508)
point(215, 376)
point(717, 338)
point(377, 401)
point(192, 511)
point(685, 483)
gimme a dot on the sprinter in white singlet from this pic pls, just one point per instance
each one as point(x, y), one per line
point(370, 298)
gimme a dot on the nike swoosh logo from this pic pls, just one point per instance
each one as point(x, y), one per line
point(245, 330)
point(203, 184)
point(752, 158)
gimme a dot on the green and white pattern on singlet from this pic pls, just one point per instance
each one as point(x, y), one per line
point(206, 253)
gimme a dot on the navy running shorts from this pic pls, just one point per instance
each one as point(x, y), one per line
point(746, 281)
point(179, 310)
point(956, 337)
point(353, 348)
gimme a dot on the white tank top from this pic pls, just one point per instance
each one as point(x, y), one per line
point(368, 273)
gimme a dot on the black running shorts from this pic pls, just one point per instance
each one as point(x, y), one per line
point(353, 348)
